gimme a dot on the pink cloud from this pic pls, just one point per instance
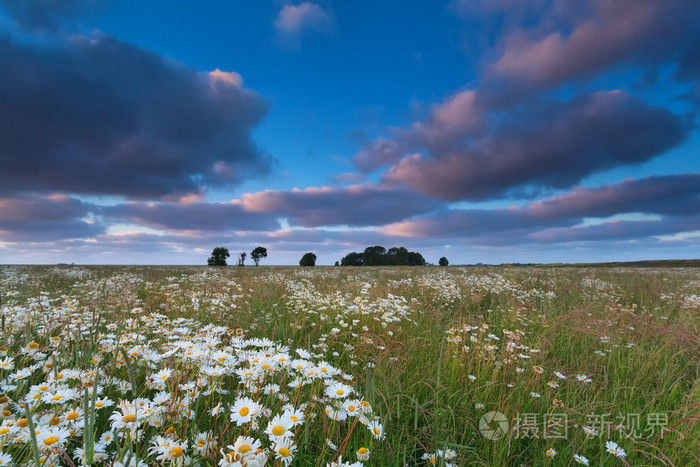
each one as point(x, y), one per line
point(614, 31)
point(293, 20)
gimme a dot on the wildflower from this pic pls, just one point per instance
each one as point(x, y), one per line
point(5, 459)
point(614, 449)
point(279, 427)
point(244, 410)
point(584, 379)
point(284, 449)
point(363, 454)
point(538, 369)
point(559, 375)
point(550, 452)
point(51, 437)
point(581, 459)
point(376, 429)
point(338, 391)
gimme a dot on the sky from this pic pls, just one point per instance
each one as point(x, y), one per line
point(485, 131)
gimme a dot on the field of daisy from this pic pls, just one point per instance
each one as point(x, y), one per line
point(349, 366)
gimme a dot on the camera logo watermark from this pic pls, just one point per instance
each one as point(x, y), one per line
point(493, 425)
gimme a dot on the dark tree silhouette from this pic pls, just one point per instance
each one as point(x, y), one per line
point(443, 262)
point(374, 255)
point(218, 256)
point(352, 259)
point(241, 258)
point(309, 259)
point(258, 253)
point(378, 255)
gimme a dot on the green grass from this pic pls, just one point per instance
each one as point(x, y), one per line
point(388, 329)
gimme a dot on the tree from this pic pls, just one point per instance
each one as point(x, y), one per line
point(241, 258)
point(415, 259)
point(218, 256)
point(258, 253)
point(309, 259)
point(397, 256)
point(443, 262)
point(352, 259)
point(374, 255)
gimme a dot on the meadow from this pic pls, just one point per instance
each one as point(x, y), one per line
point(319, 366)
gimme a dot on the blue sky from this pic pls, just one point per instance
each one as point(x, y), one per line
point(484, 131)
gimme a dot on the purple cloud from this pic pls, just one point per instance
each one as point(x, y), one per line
point(98, 116)
point(356, 205)
point(552, 145)
point(197, 216)
point(674, 196)
point(604, 33)
point(50, 218)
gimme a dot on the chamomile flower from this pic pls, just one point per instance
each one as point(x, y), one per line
point(550, 452)
point(279, 427)
point(581, 459)
point(363, 454)
point(376, 429)
point(284, 450)
point(614, 449)
point(244, 410)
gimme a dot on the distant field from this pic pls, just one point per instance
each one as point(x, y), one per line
point(380, 366)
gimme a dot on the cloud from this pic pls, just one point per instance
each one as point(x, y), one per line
point(294, 20)
point(50, 218)
point(618, 230)
point(48, 15)
point(553, 145)
point(673, 196)
point(356, 205)
point(604, 34)
point(98, 116)
point(458, 117)
point(349, 177)
point(193, 217)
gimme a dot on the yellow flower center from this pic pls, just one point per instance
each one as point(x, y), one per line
point(99, 404)
point(33, 345)
point(72, 416)
point(278, 430)
point(351, 408)
point(376, 431)
point(266, 367)
point(244, 411)
point(176, 452)
point(51, 440)
point(243, 449)
point(6, 413)
point(129, 418)
point(55, 421)
point(294, 418)
point(57, 397)
point(284, 452)
point(340, 392)
point(362, 451)
point(43, 388)
point(4, 431)
point(22, 423)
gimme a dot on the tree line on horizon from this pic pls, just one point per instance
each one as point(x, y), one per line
point(380, 256)
point(372, 256)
